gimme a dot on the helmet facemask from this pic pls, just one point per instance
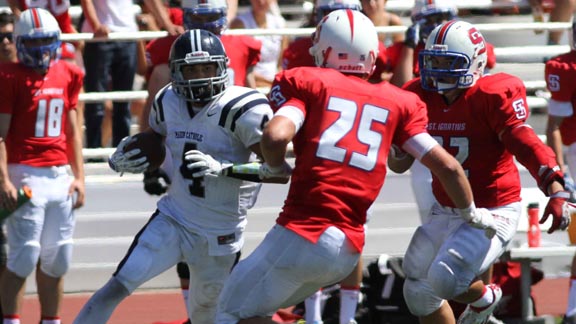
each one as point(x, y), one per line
point(444, 70)
point(199, 90)
point(38, 51)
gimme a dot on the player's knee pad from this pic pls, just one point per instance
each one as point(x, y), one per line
point(419, 255)
point(58, 262)
point(420, 297)
point(183, 271)
point(448, 275)
point(204, 300)
point(24, 260)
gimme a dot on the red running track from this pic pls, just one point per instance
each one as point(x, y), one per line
point(151, 306)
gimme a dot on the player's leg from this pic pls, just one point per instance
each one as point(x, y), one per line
point(349, 294)
point(184, 278)
point(55, 243)
point(313, 307)
point(24, 228)
point(420, 297)
point(283, 270)
point(154, 250)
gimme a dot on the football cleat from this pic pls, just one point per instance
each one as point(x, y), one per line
point(473, 315)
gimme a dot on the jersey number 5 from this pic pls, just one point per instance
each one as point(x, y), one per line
point(49, 118)
point(328, 149)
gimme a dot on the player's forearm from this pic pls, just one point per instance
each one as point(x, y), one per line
point(277, 134)
point(3, 162)
point(554, 140)
point(74, 147)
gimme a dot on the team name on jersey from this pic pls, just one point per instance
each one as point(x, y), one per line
point(49, 91)
point(189, 135)
point(446, 126)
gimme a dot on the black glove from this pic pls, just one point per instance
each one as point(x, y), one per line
point(152, 183)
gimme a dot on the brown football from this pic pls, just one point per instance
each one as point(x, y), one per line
point(151, 145)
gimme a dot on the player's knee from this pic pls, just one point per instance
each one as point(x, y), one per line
point(24, 260)
point(207, 294)
point(59, 263)
point(420, 298)
point(183, 271)
point(446, 277)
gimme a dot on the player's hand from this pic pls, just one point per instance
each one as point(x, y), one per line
point(152, 183)
point(202, 164)
point(121, 161)
point(480, 218)
point(266, 171)
point(412, 35)
point(8, 195)
point(557, 207)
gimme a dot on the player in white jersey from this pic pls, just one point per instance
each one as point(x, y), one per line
point(206, 126)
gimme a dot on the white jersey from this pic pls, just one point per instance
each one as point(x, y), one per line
point(225, 129)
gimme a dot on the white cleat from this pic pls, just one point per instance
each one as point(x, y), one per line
point(473, 315)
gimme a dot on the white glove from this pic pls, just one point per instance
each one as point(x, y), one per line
point(121, 161)
point(267, 171)
point(202, 164)
point(480, 218)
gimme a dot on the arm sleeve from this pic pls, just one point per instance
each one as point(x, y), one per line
point(250, 125)
point(157, 119)
point(532, 153)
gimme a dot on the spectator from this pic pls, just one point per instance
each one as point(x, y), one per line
point(163, 16)
point(202, 217)
point(37, 155)
point(260, 16)
point(376, 11)
point(561, 131)
point(109, 65)
point(481, 120)
point(7, 47)
point(319, 235)
point(561, 12)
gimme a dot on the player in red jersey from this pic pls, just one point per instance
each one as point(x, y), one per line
point(40, 138)
point(561, 131)
point(297, 53)
point(342, 128)
point(481, 120)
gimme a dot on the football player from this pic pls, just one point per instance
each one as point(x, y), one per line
point(40, 138)
point(561, 130)
point(342, 127)
point(207, 125)
point(481, 120)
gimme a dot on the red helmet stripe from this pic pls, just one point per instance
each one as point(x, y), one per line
point(351, 21)
point(35, 18)
point(442, 32)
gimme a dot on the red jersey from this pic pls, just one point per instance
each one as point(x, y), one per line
point(342, 148)
point(39, 107)
point(58, 8)
point(395, 49)
point(297, 54)
point(469, 129)
point(244, 53)
point(559, 73)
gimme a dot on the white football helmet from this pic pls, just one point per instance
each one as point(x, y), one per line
point(454, 57)
point(345, 40)
point(37, 37)
point(209, 15)
point(324, 7)
point(425, 8)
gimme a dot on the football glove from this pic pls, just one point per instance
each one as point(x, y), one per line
point(480, 218)
point(152, 183)
point(267, 171)
point(412, 36)
point(557, 207)
point(121, 161)
point(203, 164)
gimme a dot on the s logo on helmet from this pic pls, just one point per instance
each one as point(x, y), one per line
point(477, 39)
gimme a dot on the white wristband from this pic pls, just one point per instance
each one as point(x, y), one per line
point(467, 212)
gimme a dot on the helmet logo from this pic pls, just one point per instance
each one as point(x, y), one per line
point(325, 55)
point(477, 39)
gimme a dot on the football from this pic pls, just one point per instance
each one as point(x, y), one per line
point(151, 146)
